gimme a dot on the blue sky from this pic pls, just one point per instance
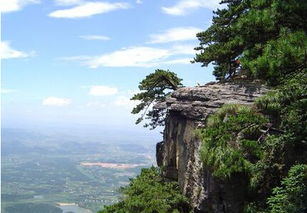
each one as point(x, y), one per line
point(77, 62)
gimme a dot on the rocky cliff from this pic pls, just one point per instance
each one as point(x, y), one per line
point(178, 153)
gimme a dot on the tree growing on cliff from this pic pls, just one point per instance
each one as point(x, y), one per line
point(268, 37)
point(154, 89)
point(218, 43)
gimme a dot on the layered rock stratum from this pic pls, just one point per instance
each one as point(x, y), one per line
point(178, 153)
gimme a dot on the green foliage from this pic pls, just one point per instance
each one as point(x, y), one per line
point(263, 141)
point(154, 89)
point(279, 57)
point(287, 104)
point(291, 196)
point(286, 144)
point(218, 43)
point(230, 140)
point(268, 37)
point(150, 193)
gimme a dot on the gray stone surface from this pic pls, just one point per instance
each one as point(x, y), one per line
point(178, 153)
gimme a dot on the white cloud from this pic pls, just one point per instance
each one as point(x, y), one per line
point(7, 91)
point(55, 101)
point(175, 34)
point(8, 52)
point(100, 90)
point(140, 56)
point(139, 1)
point(130, 57)
point(183, 7)
point(88, 9)
point(7, 6)
point(95, 37)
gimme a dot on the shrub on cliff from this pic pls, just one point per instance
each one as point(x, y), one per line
point(286, 144)
point(291, 196)
point(230, 141)
point(150, 193)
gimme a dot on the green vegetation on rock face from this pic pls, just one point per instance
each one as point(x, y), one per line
point(150, 193)
point(263, 40)
point(291, 196)
point(154, 89)
point(267, 37)
point(262, 142)
point(231, 140)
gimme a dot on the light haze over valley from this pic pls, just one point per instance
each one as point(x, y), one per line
point(69, 69)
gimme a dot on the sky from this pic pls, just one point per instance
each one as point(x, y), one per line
point(73, 63)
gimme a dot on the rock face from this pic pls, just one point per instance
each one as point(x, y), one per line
point(178, 153)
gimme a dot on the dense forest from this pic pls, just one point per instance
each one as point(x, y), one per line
point(262, 41)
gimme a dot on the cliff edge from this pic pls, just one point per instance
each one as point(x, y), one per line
point(178, 153)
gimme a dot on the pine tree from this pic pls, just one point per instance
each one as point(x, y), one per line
point(154, 89)
point(268, 37)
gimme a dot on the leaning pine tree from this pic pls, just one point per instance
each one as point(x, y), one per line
point(154, 89)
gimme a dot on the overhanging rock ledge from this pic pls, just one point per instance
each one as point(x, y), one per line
point(178, 153)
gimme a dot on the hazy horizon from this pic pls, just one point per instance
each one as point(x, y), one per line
point(68, 71)
point(70, 63)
